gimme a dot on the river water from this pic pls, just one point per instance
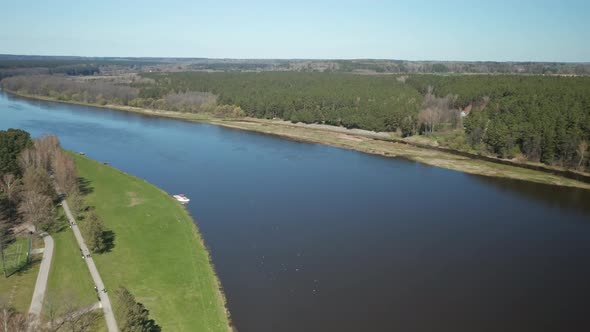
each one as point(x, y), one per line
point(306, 237)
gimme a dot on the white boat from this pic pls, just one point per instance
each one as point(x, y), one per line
point(181, 198)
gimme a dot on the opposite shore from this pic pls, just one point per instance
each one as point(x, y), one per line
point(370, 142)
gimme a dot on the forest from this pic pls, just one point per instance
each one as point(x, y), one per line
point(527, 117)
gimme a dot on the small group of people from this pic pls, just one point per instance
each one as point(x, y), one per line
point(104, 290)
point(84, 256)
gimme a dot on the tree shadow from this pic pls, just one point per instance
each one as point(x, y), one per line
point(152, 326)
point(60, 225)
point(109, 239)
point(149, 324)
point(84, 186)
point(24, 266)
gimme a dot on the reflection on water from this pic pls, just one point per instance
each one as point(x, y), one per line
point(564, 198)
point(306, 237)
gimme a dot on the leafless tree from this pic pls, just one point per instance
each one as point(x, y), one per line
point(38, 180)
point(45, 149)
point(192, 101)
point(73, 88)
point(437, 110)
point(27, 159)
point(582, 149)
point(65, 173)
point(36, 208)
point(65, 314)
point(13, 321)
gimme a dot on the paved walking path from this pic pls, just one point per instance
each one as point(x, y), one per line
point(104, 297)
point(41, 284)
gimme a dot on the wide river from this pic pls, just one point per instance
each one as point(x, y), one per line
point(307, 237)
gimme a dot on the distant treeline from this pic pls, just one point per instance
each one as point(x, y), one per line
point(74, 66)
point(395, 66)
point(539, 118)
point(371, 102)
point(472, 67)
point(544, 118)
point(85, 90)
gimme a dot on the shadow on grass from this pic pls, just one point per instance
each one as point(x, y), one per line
point(60, 225)
point(109, 239)
point(84, 186)
point(24, 267)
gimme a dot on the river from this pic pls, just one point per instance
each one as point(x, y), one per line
point(307, 237)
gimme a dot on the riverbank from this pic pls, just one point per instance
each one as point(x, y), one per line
point(368, 142)
point(158, 253)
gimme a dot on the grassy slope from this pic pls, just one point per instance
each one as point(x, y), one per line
point(69, 278)
point(158, 253)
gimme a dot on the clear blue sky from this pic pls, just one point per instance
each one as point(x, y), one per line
point(519, 30)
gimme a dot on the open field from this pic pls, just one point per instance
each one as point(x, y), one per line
point(15, 255)
point(158, 253)
point(17, 290)
point(359, 140)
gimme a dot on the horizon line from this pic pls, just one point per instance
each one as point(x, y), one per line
point(292, 59)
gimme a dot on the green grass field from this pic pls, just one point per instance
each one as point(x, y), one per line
point(69, 278)
point(16, 291)
point(158, 253)
point(15, 255)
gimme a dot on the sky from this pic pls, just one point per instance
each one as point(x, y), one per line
point(499, 30)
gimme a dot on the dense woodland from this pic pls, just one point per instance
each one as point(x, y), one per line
point(370, 102)
point(532, 117)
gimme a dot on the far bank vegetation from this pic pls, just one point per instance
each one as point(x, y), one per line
point(538, 119)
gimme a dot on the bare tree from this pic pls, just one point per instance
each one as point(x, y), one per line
point(582, 149)
point(65, 314)
point(192, 101)
point(36, 208)
point(46, 148)
point(65, 173)
point(437, 110)
point(13, 321)
point(27, 159)
point(38, 180)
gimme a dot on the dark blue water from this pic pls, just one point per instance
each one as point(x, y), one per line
point(307, 237)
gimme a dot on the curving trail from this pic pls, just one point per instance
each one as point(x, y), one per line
point(41, 284)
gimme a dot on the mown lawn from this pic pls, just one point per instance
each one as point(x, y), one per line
point(16, 291)
point(15, 255)
point(158, 253)
point(69, 284)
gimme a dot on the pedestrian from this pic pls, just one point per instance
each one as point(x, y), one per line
point(82, 256)
point(96, 289)
point(104, 290)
